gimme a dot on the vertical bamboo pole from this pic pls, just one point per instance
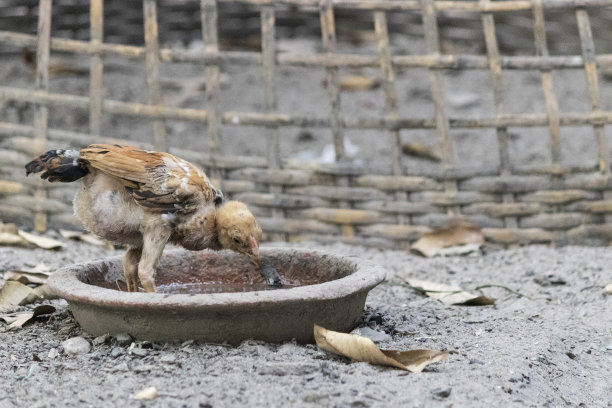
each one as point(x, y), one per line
point(495, 71)
point(552, 106)
point(328, 36)
point(388, 74)
point(211, 74)
point(268, 51)
point(41, 113)
point(152, 63)
point(96, 19)
point(590, 68)
point(432, 45)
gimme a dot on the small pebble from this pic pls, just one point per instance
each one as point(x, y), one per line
point(100, 340)
point(139, 352)
point(476, 361)
point(76, 345)
point(441, 393)
point(122, 339)
point(53, 353)
point(146, 394)
point(116, 352)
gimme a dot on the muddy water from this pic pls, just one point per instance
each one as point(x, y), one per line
point(218, 287)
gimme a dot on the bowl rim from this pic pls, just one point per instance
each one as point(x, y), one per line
point(64, 283)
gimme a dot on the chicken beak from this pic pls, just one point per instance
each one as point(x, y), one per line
point(255, 252)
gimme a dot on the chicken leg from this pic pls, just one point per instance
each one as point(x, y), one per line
point(130, 268)
point(154, 237)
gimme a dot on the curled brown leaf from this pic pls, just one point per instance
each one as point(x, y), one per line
point(360, 348)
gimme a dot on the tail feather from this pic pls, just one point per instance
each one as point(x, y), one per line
point(58, 165)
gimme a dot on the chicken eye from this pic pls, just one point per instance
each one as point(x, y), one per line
point(236, 240)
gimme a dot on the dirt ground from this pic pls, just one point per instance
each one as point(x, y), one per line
point(546, 343)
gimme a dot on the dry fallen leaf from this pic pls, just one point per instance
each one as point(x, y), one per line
point(363, 349)
point(41, 242)
point(146, 394)
point(15, 320)
point(421, 150)
point(358, 83)
point(37, 275)
point(457, 237)
point(82, 236)
point(9, 235)
point(12, 293)
point(15, 293)
point(450, 295)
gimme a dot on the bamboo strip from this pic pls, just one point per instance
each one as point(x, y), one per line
point(152, 64)
point(552, 107)
point(268, 53)
point(41, 113)
point(395, 232)
point(503, 210)
point(446, 61)
point(414, 5)
point(432, 46)
point(328, 36)
point(495, 71)
point(519, 236)
point(278, 119)
point(556, 221)
point(590, 68)
point(558, 197)
point(96, 67)
point(384, 56)
point(211, 74)
point(394, 207)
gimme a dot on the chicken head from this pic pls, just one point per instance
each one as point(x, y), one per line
point(238, 230)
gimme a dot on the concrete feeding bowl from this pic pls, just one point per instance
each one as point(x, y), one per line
point(221, 296)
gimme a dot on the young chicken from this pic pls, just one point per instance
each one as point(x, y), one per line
point(144, 200)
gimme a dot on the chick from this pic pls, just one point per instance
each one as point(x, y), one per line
point(144, 200)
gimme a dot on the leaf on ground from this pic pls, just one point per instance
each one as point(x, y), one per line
point(9, 235)
point(37, 275)
point(421, 150)
point(85, 237)
point(358, 83)
point(457, 237)
point(450, 295)
point(146, 394)
point(40, 241)
point(363, 349)
point(608, 289)
point(15, 320)
point(15, 293)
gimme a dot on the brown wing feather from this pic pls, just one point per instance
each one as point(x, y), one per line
point(157, 181)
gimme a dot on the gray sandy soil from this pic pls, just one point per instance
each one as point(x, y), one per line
point(548, 344)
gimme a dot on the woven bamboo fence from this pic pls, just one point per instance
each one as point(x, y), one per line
point(382, 204)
